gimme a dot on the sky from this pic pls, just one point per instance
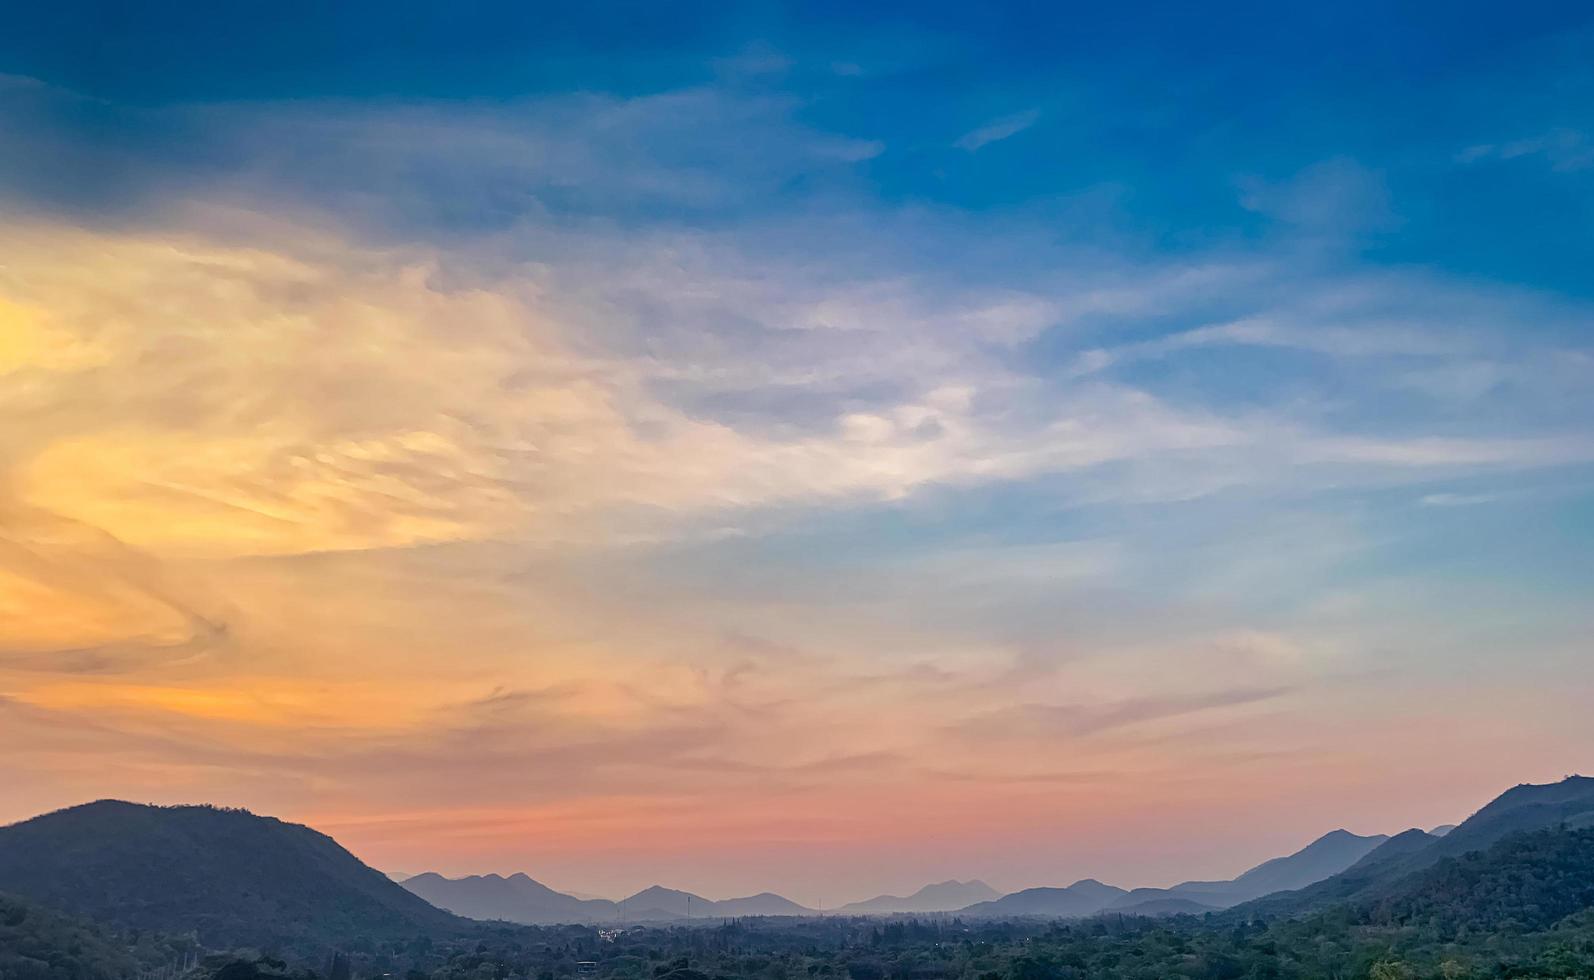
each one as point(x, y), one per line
point(823, 448)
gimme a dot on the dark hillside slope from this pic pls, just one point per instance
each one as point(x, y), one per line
point(1326, 856)
point(1524, 808)
point(233, 878)
point(1379, 865)
point(1529, 881)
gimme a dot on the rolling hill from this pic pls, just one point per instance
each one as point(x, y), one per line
point(1085, 897)
point(944, 896)
point(229, 876)
point(517, 898)
point(658, 903)
point(764, 903)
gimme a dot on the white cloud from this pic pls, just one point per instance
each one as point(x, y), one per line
point(998, 130)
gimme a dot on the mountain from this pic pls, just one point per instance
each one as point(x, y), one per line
point(517, 898)
point(231, 877)
point(1525, 808)
point(1378, 865)
point(944, 896)
point(1442, 829)
point(1082, 898)
point(1327, 855)
point(1391, 852)
point(764, 903)
point(660, 903)
point(1529, 880)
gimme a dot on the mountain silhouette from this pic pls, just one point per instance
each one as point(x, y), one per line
point(658, 902)
point(1326, 856)
point(229, 876)
point(1085, 897)
point(1528, 880)
point(764, 903)
point(517, 898)
point(1524, 808)
point(943, 896)
point(521, 899)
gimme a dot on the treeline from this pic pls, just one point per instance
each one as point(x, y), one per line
point(37, 943)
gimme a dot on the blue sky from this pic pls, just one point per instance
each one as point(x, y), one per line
point(791, 405)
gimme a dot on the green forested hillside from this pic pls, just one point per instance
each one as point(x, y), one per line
point(1527, 882)
point(37, 943)
point(227, 876)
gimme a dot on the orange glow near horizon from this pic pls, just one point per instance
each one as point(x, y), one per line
point(303, 524)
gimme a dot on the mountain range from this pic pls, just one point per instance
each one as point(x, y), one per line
point(520, 898)
point(232, 879)
point(1322, 858)
point(1335, 866)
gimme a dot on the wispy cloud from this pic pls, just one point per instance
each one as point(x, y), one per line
point(1457, 499)
point(639, 448)
point(998, 130)
point(1564, 149)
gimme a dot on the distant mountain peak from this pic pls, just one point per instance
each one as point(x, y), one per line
point(941, 896)
point(1087, 896)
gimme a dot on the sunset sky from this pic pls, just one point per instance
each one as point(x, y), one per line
point(754, 447)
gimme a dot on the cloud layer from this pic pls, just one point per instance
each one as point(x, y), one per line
point(644, 486)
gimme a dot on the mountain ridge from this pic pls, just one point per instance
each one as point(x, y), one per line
point(521, 899)
point(940, 896)
point(229, 876)
point(1084, 897)
point(1526, 807)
